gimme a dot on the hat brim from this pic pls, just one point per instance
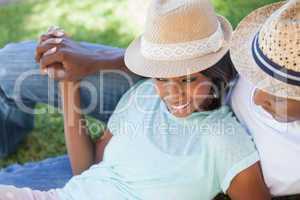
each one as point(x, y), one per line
point(242, 58)
point(138, 64)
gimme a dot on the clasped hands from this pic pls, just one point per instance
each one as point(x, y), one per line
point(62, 58)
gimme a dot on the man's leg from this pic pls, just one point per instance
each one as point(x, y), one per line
point(15, 124)
point(43, 175)
point(22, 87)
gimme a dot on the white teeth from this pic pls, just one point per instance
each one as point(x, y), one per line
point(180, 107)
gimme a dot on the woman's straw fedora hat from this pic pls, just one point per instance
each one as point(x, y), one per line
point(266, 49)
point(180, 38)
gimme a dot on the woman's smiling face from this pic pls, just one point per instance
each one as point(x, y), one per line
point(184, 95)
point(282, 109)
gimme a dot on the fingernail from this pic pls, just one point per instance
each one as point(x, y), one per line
point(53, 28)
point(44, 71)
point(50, 29)
point(59, 33)
point(53, 50)
point(50, 51)
point(50, 72)
point(61, 73)
point(58, 40)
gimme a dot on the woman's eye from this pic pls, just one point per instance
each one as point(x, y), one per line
point(161, 79)
point(189, 80)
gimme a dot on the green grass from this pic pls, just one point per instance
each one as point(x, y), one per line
point(100, 21)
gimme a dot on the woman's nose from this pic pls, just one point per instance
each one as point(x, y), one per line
point(174, 89)
point(262, 99)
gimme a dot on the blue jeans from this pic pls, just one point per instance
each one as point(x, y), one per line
point(22, 87)
point(44, 175)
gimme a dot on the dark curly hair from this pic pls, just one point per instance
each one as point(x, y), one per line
point(222, 74)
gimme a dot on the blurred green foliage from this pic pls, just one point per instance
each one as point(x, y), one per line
point(236, 10)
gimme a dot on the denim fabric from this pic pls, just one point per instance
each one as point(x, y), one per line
point(14, 125)
point(44, 175)
point(22, 84)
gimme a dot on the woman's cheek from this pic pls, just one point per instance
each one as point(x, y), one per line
point(203, 91)
point(200, 94)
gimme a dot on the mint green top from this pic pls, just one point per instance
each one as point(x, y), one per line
point(154, 155)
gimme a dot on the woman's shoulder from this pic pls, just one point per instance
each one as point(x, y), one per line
point(224, 116)
point(229, 144)
point(140, 95)
point(227, 130)
point(142, 87)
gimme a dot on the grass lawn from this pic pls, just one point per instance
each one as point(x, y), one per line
point(113, 22)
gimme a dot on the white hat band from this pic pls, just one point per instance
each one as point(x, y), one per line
point(183, 51)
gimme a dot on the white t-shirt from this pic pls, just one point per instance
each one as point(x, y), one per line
point(278, 143)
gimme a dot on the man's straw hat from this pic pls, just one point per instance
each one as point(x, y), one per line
point(180, 38)
point(266, 49)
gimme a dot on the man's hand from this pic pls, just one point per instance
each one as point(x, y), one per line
point(64, 59)
point(56, 35)
point(75, 60)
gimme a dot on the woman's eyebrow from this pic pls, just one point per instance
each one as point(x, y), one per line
point(189, 76)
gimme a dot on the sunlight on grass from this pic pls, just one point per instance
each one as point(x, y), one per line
point(92, 21)
point(235, 10)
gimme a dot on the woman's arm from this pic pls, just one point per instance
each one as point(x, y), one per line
point(249, 185)
point(79, 145)
point(101, 144)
